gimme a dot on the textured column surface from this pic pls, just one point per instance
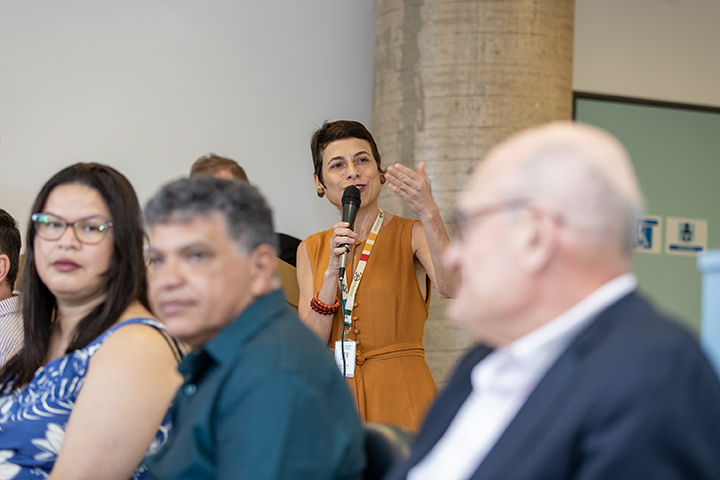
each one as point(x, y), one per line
point(453, 78)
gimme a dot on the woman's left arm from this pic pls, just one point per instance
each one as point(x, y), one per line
point(430, 240)
point(129, 385)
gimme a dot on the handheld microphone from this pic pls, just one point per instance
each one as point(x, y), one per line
point(350, 207)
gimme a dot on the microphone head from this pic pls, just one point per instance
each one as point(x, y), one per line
point(351, 195)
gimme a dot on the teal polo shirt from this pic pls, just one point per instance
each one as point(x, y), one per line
point(262, 400)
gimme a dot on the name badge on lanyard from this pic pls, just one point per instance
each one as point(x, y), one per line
point(348, 299)
point(348, 348)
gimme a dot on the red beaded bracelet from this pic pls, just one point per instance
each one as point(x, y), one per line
point(324, 309)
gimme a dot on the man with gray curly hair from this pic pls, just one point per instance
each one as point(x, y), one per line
point(262, 398)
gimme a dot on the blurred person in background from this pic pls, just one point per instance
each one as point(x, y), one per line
point(217, 166)
point(228, 169)
point(11, 325)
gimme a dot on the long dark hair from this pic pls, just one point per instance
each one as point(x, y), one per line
point(125, 280)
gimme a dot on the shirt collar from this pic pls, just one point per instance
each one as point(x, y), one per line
point(223, 346)
point(534, 352)
point(568, 323)
point(10, 305)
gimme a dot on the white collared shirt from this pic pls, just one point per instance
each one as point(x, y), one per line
point(504, 380)
point(11, 327)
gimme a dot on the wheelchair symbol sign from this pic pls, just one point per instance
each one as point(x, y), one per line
point(647, 235)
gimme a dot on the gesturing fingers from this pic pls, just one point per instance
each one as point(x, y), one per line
point(402, 177)
point(412, 186)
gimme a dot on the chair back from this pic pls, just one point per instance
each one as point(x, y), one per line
point(385, 445)
point(288, 281)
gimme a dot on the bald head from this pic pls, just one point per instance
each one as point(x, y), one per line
point(579, 171)
point(547, 218)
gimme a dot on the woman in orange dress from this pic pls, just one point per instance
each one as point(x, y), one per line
point(390, 275)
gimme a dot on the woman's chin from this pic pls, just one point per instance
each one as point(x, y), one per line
point(71, 295)
point(369, 197)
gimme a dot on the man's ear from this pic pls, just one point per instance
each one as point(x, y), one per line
point(263, 264)
point(539, 239)
point(4, 266)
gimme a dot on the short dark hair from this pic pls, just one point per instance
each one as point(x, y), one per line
point(339, 130)
point(247, 215)
point(211, 164)
point(10, 243)
point(125, 280)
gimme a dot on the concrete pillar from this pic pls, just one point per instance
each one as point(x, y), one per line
point(451, 79)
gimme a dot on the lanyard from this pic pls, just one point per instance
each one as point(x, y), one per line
point(348, 295)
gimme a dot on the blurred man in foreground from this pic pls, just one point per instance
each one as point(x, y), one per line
point(579, 378)
point(262, 397)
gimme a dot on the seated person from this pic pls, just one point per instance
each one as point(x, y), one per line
point(11, 324)
point(88, 394)
point(262, 397)
point(228, 169)
point(219, 167)
point(577, 376)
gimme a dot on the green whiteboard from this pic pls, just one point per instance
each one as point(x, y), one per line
point(676, 152)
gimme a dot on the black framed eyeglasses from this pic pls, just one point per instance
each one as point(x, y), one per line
point(89, 231)
point(459, 220)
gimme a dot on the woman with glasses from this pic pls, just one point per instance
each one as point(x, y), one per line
point(386, 289)
point(87, 395)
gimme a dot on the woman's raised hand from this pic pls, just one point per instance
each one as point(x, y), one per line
point(413, 187)
point(430, 240)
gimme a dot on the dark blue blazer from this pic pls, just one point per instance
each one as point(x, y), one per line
point(633, 397)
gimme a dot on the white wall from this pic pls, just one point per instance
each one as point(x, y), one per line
point(148, 86)
point(655, 49)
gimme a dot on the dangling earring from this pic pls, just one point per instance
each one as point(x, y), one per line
point(382, 179)
point(320, 192)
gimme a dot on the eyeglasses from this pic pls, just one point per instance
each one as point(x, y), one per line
point(89, 231)
point(458, 220)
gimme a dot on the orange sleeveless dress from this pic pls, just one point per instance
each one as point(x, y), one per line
point(392, 382)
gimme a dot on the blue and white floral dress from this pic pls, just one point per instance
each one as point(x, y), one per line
point(33, 419)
